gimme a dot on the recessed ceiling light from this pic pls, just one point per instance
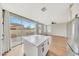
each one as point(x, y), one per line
point(43, 9)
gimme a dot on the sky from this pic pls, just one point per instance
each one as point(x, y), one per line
point(22, 22)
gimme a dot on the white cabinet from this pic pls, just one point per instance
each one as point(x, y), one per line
point(34, 46)
point(43, 48)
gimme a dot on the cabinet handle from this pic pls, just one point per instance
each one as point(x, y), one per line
point(42, 49)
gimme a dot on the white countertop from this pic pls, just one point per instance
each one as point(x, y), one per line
point(36, 39)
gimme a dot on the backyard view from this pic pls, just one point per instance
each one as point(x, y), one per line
point(19, 28)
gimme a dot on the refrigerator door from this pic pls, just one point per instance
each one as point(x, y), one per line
point(73, 36)
point(76, 31)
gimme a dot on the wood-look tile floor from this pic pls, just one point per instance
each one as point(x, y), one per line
point(16, 51)
point(57, 48)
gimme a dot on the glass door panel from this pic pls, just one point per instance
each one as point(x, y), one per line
point(45, 30)
point(15, 31)
point(15, 27)
point(29, 27)
point(48, 30)
point(39, 29)
point(20, 27)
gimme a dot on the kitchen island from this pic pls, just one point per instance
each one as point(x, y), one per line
point(36, 45)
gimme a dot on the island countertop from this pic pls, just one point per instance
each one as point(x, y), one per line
point(35, 39)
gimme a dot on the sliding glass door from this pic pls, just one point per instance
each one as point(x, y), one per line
point(29, 27)
point(15, 31)
point(20, 27)
point(16, 27)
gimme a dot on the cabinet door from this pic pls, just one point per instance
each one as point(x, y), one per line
point(46, 44)
point(41, 49)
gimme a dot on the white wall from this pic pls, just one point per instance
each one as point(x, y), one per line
point(59, 29)
point(70, 31)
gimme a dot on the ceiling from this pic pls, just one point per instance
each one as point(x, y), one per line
point(55, 12)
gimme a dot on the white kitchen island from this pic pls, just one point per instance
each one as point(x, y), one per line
point(36, 45)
